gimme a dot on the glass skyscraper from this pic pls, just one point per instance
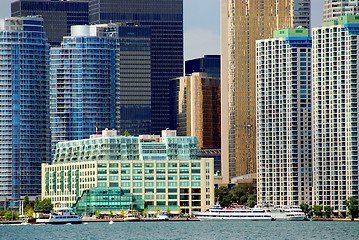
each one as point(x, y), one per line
point(166, 21)
point(83, 82)
point(58, 16)
point(101, 77)
point(24, 108)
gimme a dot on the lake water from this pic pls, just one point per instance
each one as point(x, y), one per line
point(186, 230)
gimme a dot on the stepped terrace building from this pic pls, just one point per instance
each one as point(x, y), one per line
point(335, 112)
point(163, 171)
point(284, 158)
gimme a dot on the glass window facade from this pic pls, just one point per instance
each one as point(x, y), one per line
point(24, 112)
point(58, 16)
point(166, 21)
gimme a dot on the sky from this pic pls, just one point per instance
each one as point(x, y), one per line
point(201, 24)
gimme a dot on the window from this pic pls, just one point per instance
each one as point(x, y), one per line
point(172, 171)
point(137, 184)
point(112, 171)
point(125, 178)
point(196, 170)
point(113, 178)
point(184, 165)
point(102, 178)
point(161, 165)
point(137, 190)
point(137, 165)
point(196, 177)
point(137, 177)
point(184, 184)
point(172, 177)
point(125, 171)
point(101, 165)
point(196, 184)
point(161, 184)
point(172, 164)
point(113, 165)
point(162, 190)
point(102, 171)
point(149, 184)
point(137, 171)
point(125, 184)
point(113, 184)
point(172, 184)
point(196, 164)
point(125, 165)
point(149, 190)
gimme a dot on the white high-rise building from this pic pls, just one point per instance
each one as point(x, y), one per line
point(337, 8)
point(284, 157)
point(335, 112)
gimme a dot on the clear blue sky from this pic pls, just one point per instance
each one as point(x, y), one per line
point(201, 24)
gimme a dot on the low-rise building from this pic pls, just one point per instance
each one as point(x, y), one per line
point(164, 171)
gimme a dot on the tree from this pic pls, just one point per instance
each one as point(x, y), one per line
point(352, 205)
point(157, 211)
point(305, 208)
point(179, 211)
point(317, 210)
point(144, 212)
point(122, 213)
point(168, 211)
point(252, 200)
point(98, 214)
point(328, 211)
point(44, 206)
point(111, 214)
point(30, 212)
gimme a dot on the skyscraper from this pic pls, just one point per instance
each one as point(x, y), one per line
point(24, 116)
point(196, 106)
point(210, 64)
point(335, 112)
point(337, 8)
point(58, 16)
point(166, 21)
point(83, 83)
point(242, 23)
point(284, 157)
point(101, 78)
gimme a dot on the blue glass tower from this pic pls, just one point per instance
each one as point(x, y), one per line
point(101, 76)
point(24, 108)
point(83, 83)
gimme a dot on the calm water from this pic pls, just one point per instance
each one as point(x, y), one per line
point(186, 230)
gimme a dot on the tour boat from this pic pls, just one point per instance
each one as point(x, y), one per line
point(237, 213)
point(61, 216)
point(288, 213)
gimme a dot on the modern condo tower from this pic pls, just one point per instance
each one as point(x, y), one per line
point(335, 112)
point(337, 8)
point(24, 99)
point(242, 23)
point(166, 21)
point(101, 77)
point(284, 152)
point(58, 16)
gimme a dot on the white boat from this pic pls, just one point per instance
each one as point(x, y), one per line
point(111, 221)
point(61, 216)
point(162, 215)
point(130, 217)
point(237, 213)
point(287, 213)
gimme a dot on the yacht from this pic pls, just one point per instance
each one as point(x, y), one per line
point(61, 216)
point(235, 213)
point(288, 213)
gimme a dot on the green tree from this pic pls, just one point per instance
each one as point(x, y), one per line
point(328, 211)
point(26, 201)
point(168, 211)
point(157, 211)
point(30, 212)
point(98, 214)
point(180, 211)
point(305, 208)
point(352, 205)
point(243, 200)
point(144, 212)
point(122, 213)
point(111, 214)
point(11, 215)
point(126, 133)
point(317, 210)
point(44, 206)
point(252, 200)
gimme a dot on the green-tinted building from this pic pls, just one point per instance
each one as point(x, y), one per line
point(162, 170)
point(107, 199)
